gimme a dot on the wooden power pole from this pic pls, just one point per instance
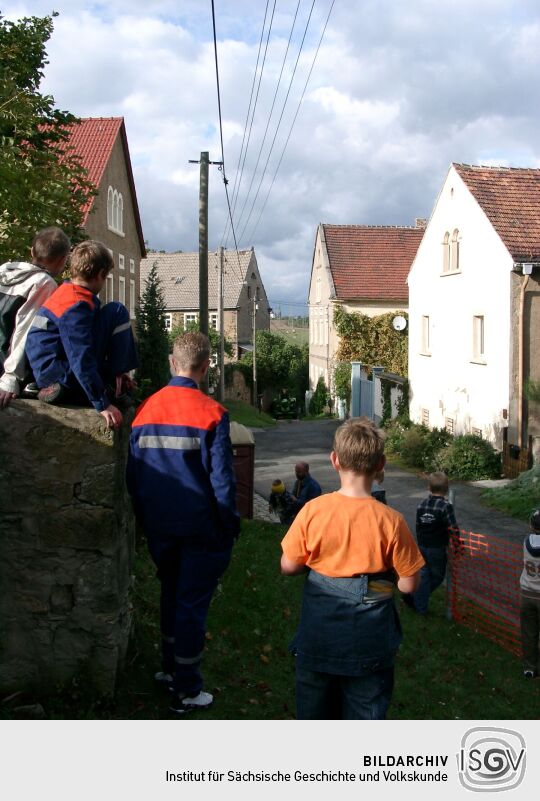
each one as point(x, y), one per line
point(221, 356)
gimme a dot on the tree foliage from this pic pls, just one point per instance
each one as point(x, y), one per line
point(280, 365)
point(42, 183)
point(371, 340)
point(152, 340)
point(342, 381)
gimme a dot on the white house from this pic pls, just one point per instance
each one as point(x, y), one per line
point(364, 269)
point(474, 305)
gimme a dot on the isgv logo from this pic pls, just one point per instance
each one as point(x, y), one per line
point(491, 759)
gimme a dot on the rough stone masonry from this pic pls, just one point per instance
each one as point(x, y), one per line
point(66, 549)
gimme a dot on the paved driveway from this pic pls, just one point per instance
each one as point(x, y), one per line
point(278, 449)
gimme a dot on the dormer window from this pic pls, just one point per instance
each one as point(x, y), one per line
point(115, 211)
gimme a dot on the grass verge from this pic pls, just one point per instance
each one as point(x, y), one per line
point(243, 413)
point(443, 671)
point(519, 497)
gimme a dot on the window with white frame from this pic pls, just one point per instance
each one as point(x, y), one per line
point(449, 424)
point(122, 289)
point(425, 417)
point(109, 289)
point(110, 207)
point(115, 211)
point(132, 299)
point(424, 334)
point(132, 266)
point(168, 322)
point(478, 337)
point(213, 320)
point(121, 262)
point(454, 252)
point(190, 317)
point(446, 252)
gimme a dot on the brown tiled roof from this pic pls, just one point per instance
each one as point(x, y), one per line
point(371, 261)
point(179, 275)
point(93, 139)
point(510, 197)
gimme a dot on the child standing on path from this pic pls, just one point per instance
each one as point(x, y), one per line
point(352, 547)
point(435, 520)
point(79, 351)
point(529, 585)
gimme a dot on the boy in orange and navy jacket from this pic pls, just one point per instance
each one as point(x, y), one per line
point(352, 548)
point(80, 352)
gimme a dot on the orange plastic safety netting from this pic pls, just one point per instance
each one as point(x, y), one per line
point(483, 585)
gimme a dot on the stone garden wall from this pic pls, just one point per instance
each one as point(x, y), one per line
point(66, 549)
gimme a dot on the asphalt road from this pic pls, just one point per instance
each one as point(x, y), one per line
point(278, 449)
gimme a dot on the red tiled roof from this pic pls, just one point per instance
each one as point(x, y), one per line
point(371, 262)
point(93, 139)
point(510, 197)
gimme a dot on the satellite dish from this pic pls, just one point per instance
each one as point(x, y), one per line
point(399, 323)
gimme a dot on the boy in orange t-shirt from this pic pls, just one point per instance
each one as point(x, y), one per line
point(352, 548)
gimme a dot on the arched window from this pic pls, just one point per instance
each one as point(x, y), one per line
point(110, 207)
point(120, 228)
point(454, 251)
point(115, 211)
point(446, 252)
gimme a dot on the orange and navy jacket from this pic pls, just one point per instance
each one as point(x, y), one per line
point(180, 471)
point(60, 342)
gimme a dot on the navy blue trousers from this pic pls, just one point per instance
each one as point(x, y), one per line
point(189, 570)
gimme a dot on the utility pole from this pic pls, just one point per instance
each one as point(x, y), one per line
point(203, 246)
point(221, 357)
point(255, 349)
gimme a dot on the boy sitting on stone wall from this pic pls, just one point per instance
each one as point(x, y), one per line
point(81, 352)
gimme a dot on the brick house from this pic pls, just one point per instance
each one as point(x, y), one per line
point(364, 269)
point(242, 290)
point(112, 215)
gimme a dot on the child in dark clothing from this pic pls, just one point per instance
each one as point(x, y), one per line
point(78, 349)
point(281, 502)
point(529, 585)
point(435, 520)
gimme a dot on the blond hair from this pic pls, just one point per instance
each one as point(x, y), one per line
point(438, 483)
point(359, 446)
point(89, 259)
point(191, 350)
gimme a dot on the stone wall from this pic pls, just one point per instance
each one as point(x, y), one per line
point(66, 549)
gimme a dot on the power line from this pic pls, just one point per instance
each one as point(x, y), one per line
point(254, 104)
point(292, 124)
point(225, 181)
point(271, 109)
point(278, 126)
point(247, 116)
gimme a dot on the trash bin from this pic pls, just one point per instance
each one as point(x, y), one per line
point(243, 443)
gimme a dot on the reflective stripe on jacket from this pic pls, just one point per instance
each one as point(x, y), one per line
point(180, 465)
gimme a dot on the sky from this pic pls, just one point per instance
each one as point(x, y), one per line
point(398, 91)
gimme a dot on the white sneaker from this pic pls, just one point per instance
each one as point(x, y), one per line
point(163, 678)
point(185, 703)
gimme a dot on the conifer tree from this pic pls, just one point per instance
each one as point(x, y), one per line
point(152, 339)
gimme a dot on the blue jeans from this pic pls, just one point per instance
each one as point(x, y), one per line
point(325, 696)
point(431, 576)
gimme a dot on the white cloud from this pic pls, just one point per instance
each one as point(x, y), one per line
point(398, 92)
